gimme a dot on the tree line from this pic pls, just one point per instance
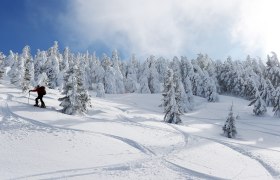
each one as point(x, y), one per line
point(178, 79)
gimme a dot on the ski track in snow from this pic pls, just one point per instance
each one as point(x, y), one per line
point(271, 170)
point(12, 120)
point(39, 126)
point(133, 144)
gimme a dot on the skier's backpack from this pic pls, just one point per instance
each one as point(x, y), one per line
point(43, 90)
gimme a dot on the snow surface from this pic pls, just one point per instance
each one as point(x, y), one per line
point(123, 136)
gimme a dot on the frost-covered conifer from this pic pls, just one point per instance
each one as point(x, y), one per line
point(266, 89)
point(229, 127)
point(14, 71)
point(162, 66)
point(143, 80)
point(210, 90)
point(276, 104)
point(119, 82)
point(259, 105)
point(28, 69)
point(43, 80)
point(39, 64)
point(109, 75)
point(9, 61)
point(97, 71)
point(273, 69)
point(153, 79)
point(170, 100)
point(131, 76)
point(52, 65)
point(76, 99)
point(2, 65)
point(182, 99)
point(100, 92)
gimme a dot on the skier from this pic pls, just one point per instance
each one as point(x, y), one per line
point(41, 92)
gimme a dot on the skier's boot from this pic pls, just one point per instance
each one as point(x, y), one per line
point(36, 105)
point(43, 106)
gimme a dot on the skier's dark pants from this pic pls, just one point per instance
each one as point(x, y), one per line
point(41, 99)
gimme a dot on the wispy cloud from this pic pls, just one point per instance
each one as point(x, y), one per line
point(173, 27)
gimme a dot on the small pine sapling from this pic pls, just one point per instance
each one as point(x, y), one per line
point(229, 127)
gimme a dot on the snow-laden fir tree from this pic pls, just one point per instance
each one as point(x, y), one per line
point(76, 99)
point(83, 96)
point(14, 72)
point(273, 69)
point(100, 92)
point(162, 66)
point(2, 65)
point(276, 104)
point(9, 61)
point(118, 74)
point(43, 80)
point(97, 71)
point(109, 75)
point(28, 71)
point(259, 105)
point(52, 65)
point(170, 100)
point(110, 81)
point(143, 79)
point(131, 77)
point(63, 67)
point(229, 127)
point(266, 89)
point(183, 101)
point(210, 89)
point(197, 80)
point(153, 78)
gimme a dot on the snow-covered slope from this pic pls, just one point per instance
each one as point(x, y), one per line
point(123, 137)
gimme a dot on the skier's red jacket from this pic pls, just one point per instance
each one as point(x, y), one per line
point(39, 90)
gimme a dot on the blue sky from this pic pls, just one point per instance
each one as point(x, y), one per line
point(159, 27)
point(22, 25)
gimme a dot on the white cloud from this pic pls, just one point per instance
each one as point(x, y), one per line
point(257, 28)
point(172, 27)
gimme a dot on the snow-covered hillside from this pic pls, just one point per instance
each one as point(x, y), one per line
point(123, 137)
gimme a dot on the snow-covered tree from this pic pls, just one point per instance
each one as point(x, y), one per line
point(229, 127)
point(9, 60)
point(2, 65)
point(170, 100)
point(97, 71)
point(119, 81)
point(39, 64)
point(273, 69)
point(43, 80)
point(100, 92)
point(143, 80)
point(83, 96)
point(183, 100)
point(109, 75)
point(210, 90)
point(52, 65)
point(153, 79)
point(14, 72)
point(162, 66)
point(276, 104)
point(28, 71)
point(76, 99)
point(259, 105)
point(197, 80)
point(131, 76)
